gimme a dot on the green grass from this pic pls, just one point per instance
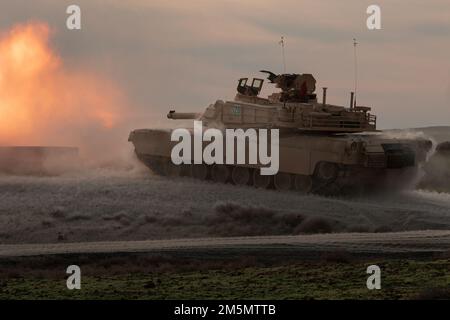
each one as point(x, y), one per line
point(401, 279)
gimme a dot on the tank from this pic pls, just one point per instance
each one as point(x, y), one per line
point(323, 148)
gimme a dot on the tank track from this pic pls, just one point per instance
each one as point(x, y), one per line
point(325, 183)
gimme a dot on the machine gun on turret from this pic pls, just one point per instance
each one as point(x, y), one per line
point(294, 87)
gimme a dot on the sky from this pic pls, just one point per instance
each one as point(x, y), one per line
point(184, 55)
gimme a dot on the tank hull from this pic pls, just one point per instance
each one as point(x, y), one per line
point(307, 162)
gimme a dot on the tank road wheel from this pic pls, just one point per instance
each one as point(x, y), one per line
point(282, 181)
point(172, 170)
point(199, 171)
point(240, 176)
point(302, 183)
point(326, 171)
point(220, 173)
point(260, 181)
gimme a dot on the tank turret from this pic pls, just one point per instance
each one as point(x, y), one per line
point(295, 108)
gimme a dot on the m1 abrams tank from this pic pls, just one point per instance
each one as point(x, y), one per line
point(323, 148)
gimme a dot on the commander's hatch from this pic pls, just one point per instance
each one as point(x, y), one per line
point(252, 90)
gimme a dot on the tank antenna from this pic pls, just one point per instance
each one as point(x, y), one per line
point(355, 67)
point(281, 42)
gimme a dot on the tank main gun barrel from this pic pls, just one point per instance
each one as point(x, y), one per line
point(182, 115)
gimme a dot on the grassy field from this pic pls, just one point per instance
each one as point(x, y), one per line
point(400, 279)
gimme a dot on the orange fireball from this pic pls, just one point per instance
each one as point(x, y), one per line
point(44, 102)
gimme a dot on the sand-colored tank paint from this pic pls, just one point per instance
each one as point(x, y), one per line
point(322, 147)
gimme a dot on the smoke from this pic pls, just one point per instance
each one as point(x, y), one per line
point(45, 102)
point(410, 134)
point(411, 179)
point(437, 170)
point(434, 174)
